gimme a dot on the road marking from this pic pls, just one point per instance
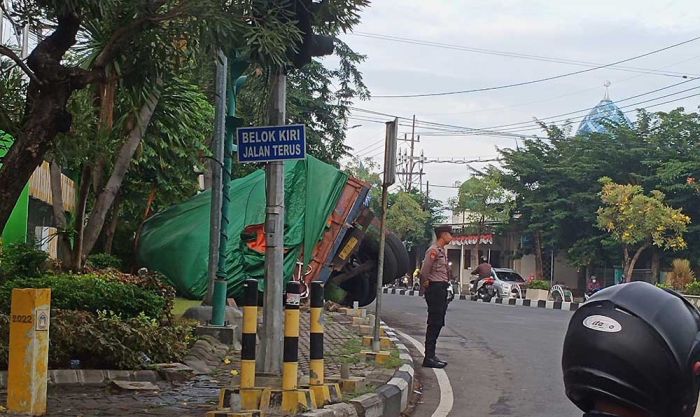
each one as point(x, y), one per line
point(446, 395)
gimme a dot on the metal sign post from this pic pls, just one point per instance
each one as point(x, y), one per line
point(389, 179)
point(273, 144)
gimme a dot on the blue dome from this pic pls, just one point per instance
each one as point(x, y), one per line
point(605, 112)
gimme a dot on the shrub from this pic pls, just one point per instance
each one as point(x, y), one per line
point(693, 288)
point(681, 275)
point(108, 341)
point(538, 284)
point(21, 260)
point(92, 293)
point(104, 261)
point(664, 285)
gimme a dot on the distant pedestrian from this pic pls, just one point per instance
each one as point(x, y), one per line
point(633, 351)
point(435, 278)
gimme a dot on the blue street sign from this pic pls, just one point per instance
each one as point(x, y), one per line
point(271, 143)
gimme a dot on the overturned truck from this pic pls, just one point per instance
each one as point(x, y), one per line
point(330, 235)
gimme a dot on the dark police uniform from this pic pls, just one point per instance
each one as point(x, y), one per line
point(435, 274)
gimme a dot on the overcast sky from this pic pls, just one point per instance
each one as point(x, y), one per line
point(594, 31)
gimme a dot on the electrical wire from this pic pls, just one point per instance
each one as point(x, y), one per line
point(537, 81)
point(541, 58)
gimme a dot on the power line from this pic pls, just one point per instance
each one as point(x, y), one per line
point(586, 111)
point(541, 80)
point(518, 55)
point(467, 133)
point(549, 99)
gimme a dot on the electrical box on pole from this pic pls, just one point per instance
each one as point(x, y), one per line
point(390, 152)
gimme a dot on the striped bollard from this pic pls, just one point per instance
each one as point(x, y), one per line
point(248, 341)
point(324, 393)
point(246, 399)
point(293, 399)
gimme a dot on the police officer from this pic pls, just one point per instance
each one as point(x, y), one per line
point(633, 350)
point(434, 281)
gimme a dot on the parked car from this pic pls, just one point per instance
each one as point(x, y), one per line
point(509, 284)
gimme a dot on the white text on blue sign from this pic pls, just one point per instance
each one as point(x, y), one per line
point(271, 143)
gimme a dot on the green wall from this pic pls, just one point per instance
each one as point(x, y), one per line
point(16, 227)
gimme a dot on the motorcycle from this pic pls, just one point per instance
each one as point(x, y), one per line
point(485, 290)
point(589, 293)
point(450, 293)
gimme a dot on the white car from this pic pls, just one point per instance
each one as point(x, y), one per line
point(509, 284)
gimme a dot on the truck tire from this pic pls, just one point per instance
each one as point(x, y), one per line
point(357, 290)
point(403, 266)
point(369, 249)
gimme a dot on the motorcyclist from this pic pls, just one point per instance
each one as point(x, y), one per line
point(633, 351)
point(483, 270)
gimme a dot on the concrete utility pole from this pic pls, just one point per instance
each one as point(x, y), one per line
point(389, 179)
point(271, 346)
point(217, 145)
point(410, 158)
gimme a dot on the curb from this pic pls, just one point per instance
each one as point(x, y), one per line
point(550, 305)
point(205, 349)
point(389, 400)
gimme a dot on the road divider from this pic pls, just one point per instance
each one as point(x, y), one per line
point(519, 302)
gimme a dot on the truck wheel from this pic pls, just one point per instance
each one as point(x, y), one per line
point(403, 266)
point(357, 290)
point(369, 249)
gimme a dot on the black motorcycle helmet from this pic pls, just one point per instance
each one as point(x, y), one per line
point(634, 345)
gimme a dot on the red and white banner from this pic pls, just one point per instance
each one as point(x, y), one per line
point(468, 240)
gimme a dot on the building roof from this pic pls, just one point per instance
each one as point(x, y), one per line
point(600, 116)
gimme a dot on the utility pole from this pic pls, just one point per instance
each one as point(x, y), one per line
point(271, 346)
point(389, 179)
point(410, 158)
point(216, 173)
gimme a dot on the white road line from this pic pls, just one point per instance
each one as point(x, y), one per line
point(446, 395)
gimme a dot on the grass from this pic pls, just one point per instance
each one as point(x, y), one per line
point(350, 352)
point(394, 360)
point(181, 305)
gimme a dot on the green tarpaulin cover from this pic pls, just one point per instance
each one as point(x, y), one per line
point(175, 242)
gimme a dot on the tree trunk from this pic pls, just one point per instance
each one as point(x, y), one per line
point(121, 165)
point(107, 91)
point(45, 114)
point(539, 268)
point(626, 268)
point(655, 265)
point(59, 215)
point(634, 260)
point(146, 213)
point(83, 194)
point(113, 222)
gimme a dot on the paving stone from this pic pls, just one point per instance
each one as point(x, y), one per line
point(146, 376)
point(136, 385)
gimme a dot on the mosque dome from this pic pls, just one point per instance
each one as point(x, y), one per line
point(601, 115)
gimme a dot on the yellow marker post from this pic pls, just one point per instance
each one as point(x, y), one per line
point(29, 351)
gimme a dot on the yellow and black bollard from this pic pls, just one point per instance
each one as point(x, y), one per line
point(324, 393)
point(246, 399)
point(293, 399)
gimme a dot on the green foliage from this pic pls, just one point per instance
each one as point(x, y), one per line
point(104, 261)
point(107, 341)
point(681, 275)
point(21, 260)
point(693, 288)
point(664, 285)
point(538, 284)
point(407, 218)
point(634, 218)
point(483, 199)
point(92, 293)
point(557, 190)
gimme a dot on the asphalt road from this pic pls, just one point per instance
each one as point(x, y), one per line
point(503, 360)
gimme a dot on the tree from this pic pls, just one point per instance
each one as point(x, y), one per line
point(406, 217)
point(482, 200)
point(638, 221)
point(172, 30)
